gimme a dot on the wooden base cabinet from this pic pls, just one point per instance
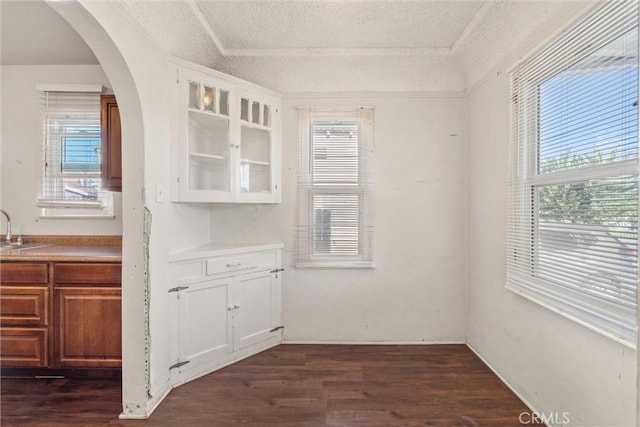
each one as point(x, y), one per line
point(225, 308)
point(60, 315)
point(88, 327)
point(24, 314)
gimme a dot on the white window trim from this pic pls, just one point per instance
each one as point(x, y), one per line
point(305, 258)
point(590, 313)
point(68, 209)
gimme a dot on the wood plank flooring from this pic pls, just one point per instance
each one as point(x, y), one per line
point(293, 385)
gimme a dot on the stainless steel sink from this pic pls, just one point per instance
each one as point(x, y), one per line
point(13, 246)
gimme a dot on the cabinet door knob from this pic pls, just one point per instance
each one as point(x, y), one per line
point(236, 306)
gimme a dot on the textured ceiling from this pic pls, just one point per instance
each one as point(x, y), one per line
point(317, 45)
point(333, 24)
point(348, 45)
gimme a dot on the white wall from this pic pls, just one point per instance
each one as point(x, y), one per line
point(416, 291)
point(21, 145)
point(555, 364)
point(143, 82)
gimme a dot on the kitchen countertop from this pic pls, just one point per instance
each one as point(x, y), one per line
point(68, 248)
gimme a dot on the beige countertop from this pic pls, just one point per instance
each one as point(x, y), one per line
point(68, 248)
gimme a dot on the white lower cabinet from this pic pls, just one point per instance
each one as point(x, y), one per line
point(227, 307)
point(205, 325)
point(256, 308)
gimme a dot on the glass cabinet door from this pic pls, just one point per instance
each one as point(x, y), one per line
point(255, 147)
point(255, 160)
point(208, 152)
point(209, 148)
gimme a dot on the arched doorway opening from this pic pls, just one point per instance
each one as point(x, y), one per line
point(95, 23)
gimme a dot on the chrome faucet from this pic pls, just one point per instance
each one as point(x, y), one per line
point(8, 238)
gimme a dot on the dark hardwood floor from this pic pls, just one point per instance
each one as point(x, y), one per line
point(293, 385)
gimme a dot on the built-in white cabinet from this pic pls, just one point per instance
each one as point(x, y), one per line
point(205, 327)
point(227, 140)
point(225, 305)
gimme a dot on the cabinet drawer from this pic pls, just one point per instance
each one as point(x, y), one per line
point(24, 273)
point(251, 261)
point(24, 347)
point(24, 305)
point(82, 274)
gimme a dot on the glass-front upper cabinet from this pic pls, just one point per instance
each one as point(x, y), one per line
point(257, 156)
point(228, 141)
point(209, 138)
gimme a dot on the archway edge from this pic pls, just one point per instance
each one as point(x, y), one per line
point(110, 39)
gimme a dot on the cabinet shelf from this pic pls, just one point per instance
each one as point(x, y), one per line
point(206, 157)
point(254, 162)
point(207, 162)
point(210, 162)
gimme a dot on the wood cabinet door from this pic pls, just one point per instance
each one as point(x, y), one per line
point(88, 327)
point(256, 302)
point(24, 347)
point(111, 169)
point(205, 330)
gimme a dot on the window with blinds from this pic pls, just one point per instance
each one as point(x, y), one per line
point(335, 188)
point(572, 236)
point(71, 156)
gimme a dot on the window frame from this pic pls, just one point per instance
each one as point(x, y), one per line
point(53, 173)
point(524, 211)
point(307, 189)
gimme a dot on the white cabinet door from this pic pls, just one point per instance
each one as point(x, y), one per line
point(257, 300)
point(259, 156)
point(204, 165)
point(205, 325)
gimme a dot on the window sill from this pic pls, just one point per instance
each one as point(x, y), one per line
point(335, 265)
point(549, 305)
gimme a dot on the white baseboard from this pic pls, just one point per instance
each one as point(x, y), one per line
point(372, 342)
point(151, 404)
point(124, 416)
point(228, 360)
point(497, 374)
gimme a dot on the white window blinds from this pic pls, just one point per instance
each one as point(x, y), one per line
point(71, 156)
point(573, 215)
point(335, 188)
